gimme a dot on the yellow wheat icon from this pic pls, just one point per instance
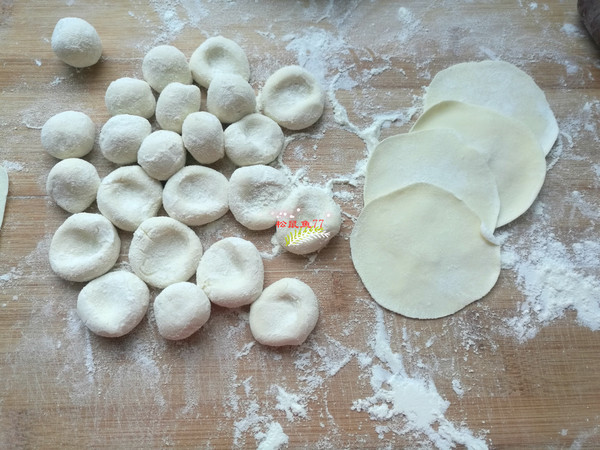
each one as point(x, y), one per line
point(303, 235)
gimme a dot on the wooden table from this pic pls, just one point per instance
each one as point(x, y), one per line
point(64, 387)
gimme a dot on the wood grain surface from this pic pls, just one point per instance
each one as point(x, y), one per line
point(61, 386)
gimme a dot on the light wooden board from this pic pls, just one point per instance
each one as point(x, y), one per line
point(61, 386)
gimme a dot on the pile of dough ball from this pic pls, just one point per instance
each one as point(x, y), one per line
point(154, 123)
point(474, 161)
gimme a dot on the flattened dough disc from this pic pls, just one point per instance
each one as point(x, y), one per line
point(419, 252)
point(437, 157)
point(3, 192)
point(500, 86)
point(511, 151)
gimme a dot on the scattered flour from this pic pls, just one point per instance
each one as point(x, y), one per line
point(273, 439)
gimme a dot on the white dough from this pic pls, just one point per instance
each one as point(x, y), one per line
point(255, 139)
point(293, 98)
point(84, 247)
point(256, 194)
point(76, 42)
point(285, 313)
point(72, 183)
point(315, 206)
point(436, 157)
point(165, 64)
point(500, 86)
point(175, 103)
point(231, 272)
point(162, 154)
point(230, 97)
point(512, 152)
point(130, 96)
point(215, 56)
point(127, 196)
point(180, 310)
point(121, 137)
point(69, 134)
point(3, 192)
point(113, 304)
point(202, 135)
point(164, 251)
point(419, 252)
point(196, 195)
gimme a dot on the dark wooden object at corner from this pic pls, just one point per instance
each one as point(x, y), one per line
point(589, 10)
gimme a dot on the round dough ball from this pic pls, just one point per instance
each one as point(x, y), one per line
point(180, 310)
point(231, 272)
point(164, 251)
point(215, 56)
point(162, 154)
point(230, 98)
point(165, 64)
point(113, 304)
point(127, 196)
point(121, 137)
point(256, 194)
point(255, 139)
point(84, 247)
point(69, 134)
point(175, 102)
point(419, 252)
point(196, 195)
point(72, 183)
point(202, 135)
point(316, 207)
point(293, 98)
point(285, 313)
point(76, 42)
point(130, 96)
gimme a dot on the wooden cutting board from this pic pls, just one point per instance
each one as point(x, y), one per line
point(62, 386)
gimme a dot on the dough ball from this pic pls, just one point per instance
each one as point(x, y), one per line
point(499, 86)
point(69, 134)
point(164, 251)
point(293, 98)
point(72, 183)
point(196, 195)
point(113, 304)
point(231, 272)
point(285, 313)
point(76, 42)
point(202, 135)
point(165, 64)
point(162, 154)
point(510, 149)
point(121, 137)
point(437, 157)
point(312, 206)
point(84, 247)
point(215, 56)
point(180, 310)
point(230, 98)
point(255, 139)
point(256, 194)
point(419, 252)
point(175, 102)
point(130, 96)
point(127, 196)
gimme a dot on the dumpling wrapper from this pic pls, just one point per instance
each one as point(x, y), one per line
point(512, 152)
point(437, 157)
point(419, 252)
point(500, 86)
